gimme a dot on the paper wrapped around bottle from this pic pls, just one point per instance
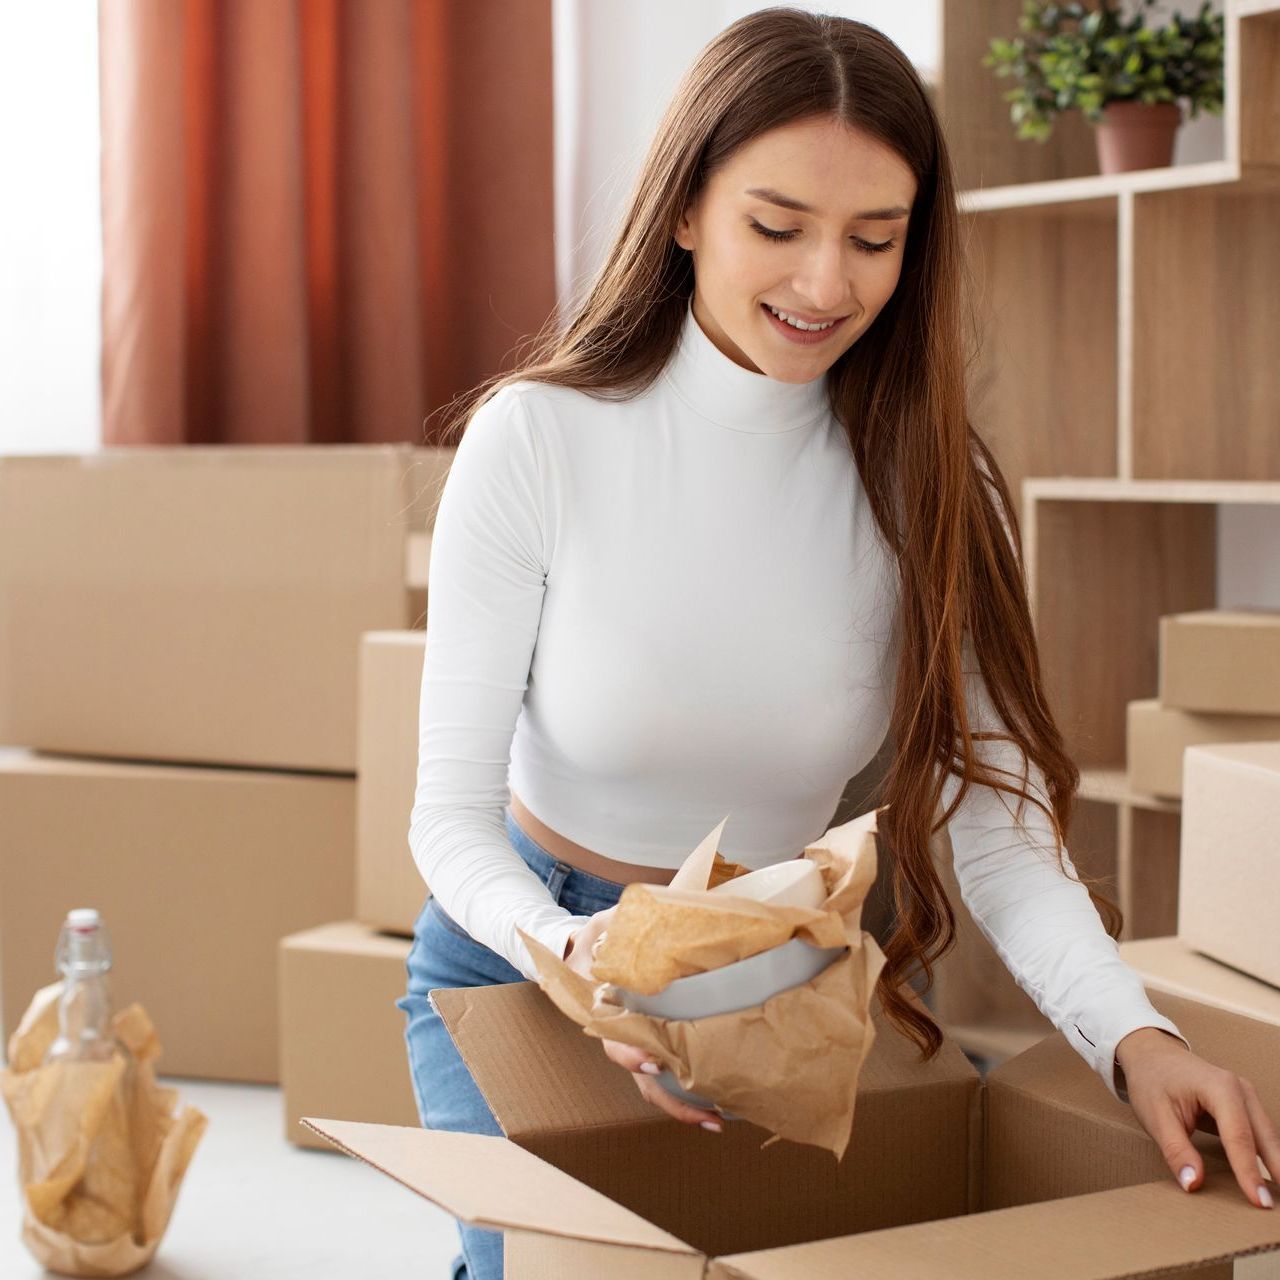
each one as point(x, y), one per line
point(101, 1152)
point(791, 1064)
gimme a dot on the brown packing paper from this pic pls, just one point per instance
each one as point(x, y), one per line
point(101, 1154)
point(791, 1064)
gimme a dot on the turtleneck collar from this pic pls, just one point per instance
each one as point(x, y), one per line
point(720, 389)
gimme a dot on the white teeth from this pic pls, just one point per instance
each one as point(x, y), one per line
point(799, 324)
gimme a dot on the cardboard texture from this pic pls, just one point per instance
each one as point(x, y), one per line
point(390, 891)
point(342, 1046)
point(204, 603)
point(804, 1047)
point(1039, 1171)
point(1221, 660)
point(198, 872)
point(1169, 964)
point(1159, 735)
point(1229, 863)
point(101, 1151)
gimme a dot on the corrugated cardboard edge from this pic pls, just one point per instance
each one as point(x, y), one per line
point(1150, 1229)
point(975, 1192)
point(512, 1189)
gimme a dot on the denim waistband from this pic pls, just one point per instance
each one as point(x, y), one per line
point(549, 868)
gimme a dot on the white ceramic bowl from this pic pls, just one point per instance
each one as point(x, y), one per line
point(740, 985)
point(797, 883)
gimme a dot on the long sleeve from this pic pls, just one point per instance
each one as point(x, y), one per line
point(486, 582)
point(1041, 923)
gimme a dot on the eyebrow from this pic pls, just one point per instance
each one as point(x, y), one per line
point(789, 202)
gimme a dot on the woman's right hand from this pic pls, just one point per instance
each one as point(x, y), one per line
point(644, 1069)
point(579, 954)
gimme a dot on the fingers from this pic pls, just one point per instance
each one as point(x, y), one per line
point(645, 1068)
point(653, 1092)
point(1183, 1159)
point(1264, 1128)
point(1235, 1109)
point(626, 1055)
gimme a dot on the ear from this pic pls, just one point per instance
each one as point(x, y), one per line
point(683, 234)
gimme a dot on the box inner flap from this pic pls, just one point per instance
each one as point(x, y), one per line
point(491, 1182)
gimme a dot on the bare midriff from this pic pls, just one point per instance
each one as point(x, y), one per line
point(595, 864)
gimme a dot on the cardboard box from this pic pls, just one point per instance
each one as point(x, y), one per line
point(342, 1046)
point(1229, 859)
point(1221, 660)
point(205, 603)
point(390, 891)
point(1158, 735)
point(1169, 964)
point(1039, 1171)
point(198, 873)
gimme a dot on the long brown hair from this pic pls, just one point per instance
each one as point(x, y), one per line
point(936, 492)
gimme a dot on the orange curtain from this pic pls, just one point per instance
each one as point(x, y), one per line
point(321, 218)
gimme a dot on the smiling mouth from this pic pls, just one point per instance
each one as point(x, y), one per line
point(799, 315)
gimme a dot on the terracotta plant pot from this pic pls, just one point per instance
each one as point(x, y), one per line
point(1137, 135)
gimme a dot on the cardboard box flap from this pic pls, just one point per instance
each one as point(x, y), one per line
point(1134, 1231)
point(490, 1182)
point(559, 1079)
point(1245, 1045)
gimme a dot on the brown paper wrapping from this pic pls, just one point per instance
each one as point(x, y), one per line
point(791, 1064)
point(101, 1154)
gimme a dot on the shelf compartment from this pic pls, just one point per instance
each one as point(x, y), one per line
point(1043, 387)
point(1101, 575)
point(1206, 326)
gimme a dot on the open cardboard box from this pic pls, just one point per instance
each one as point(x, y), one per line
point(1038, 1171)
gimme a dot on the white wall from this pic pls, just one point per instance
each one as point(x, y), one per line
point(617, 65)
point(50, 228)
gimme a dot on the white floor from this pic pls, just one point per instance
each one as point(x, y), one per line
point(254, 1207)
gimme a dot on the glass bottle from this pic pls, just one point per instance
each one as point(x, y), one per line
point(83, 957)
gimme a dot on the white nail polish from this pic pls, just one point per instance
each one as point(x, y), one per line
point(1265, 1196)
point(1186, 1176)
point(713, 1125)
point(650, 1068)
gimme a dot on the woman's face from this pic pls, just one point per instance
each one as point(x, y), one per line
point(838, 258)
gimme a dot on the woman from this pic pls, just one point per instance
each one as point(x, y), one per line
point(719, 538)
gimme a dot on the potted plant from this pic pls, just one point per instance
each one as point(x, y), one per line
point(1127, 78)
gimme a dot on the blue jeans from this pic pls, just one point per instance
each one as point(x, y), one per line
point(443, 955)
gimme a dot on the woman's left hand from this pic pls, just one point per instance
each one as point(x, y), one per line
point(1171, 1089)
point(586, 941)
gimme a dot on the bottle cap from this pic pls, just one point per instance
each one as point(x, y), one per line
point(84, 918)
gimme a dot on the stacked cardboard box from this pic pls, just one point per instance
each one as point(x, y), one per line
point(1036, 1171)
point(179, 668)
point(1219, 682)
point(1227, 948)
point(342, 1039)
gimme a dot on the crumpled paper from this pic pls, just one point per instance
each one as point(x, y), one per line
point(101, 1154)
point(790, 1065)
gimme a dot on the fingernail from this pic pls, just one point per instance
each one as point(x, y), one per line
point(1186, 1176)
point(713, 1125)
point(1265, 1196)
point(650, 1068)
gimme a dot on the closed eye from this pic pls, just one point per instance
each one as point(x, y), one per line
point(867, 246)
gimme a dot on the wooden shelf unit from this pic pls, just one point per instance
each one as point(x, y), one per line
point(1125, 379)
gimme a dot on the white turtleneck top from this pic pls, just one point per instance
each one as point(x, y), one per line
point(646, 615)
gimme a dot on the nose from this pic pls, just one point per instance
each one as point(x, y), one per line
point(824, 280)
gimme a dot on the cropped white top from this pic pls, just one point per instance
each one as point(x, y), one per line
point(646, 615)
